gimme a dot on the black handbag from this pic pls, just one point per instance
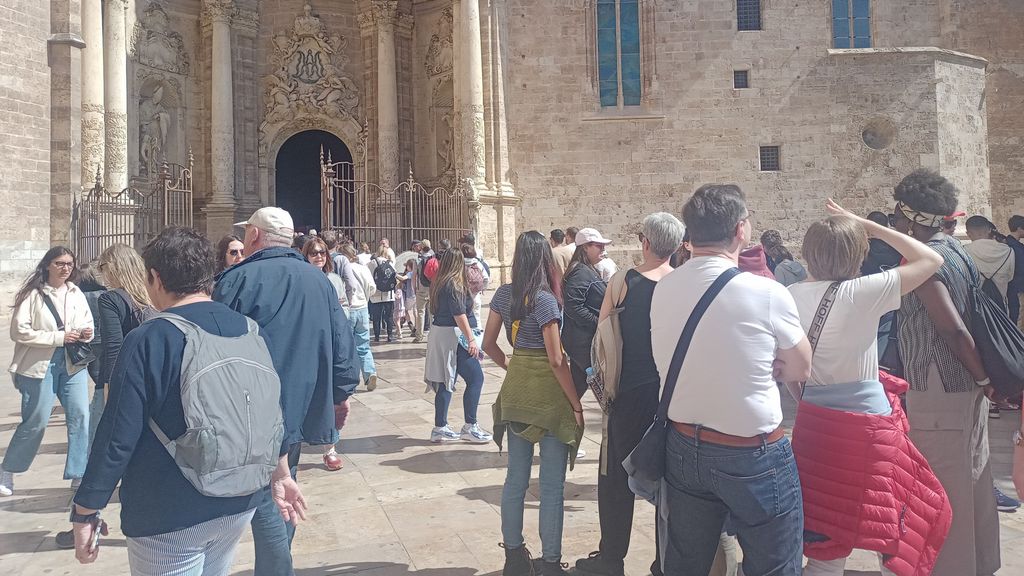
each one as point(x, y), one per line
point(645, 465)
point(79, 354)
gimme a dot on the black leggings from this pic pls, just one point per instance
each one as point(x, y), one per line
point(382, 312)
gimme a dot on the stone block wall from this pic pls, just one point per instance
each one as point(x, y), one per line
point(576, 164)
point(24, 142)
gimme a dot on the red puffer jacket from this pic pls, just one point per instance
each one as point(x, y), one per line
point(866, 486)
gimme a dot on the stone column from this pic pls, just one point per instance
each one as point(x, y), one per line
point(472, 92)
point(115, 97)
point(92, 90)
point(500, 152)
point(385, 14)
point(222, 119)
point(65, 65)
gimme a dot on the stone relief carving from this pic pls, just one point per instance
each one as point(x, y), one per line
point(309, 76)
point(155, 44)
point(442, 104)
point(439, 53)
point(154, 123)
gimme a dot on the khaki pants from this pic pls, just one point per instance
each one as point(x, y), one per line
point(422, 301)
point(951, 430)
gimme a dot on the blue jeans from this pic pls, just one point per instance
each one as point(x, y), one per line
point(37, 396)
point(757, 487)
point(360, 320)
point(271, 535)
point(471, 371)
point(554, 457)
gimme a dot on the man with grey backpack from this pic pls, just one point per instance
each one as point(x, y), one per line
point(193, 430)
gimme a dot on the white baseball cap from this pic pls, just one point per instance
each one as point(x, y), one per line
point(272, 220)
point(588, 235)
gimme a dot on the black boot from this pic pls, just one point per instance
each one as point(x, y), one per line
point(517, 562)
point(596, 564)
point(545, 568)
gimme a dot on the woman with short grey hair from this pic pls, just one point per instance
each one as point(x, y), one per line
point(636, 394)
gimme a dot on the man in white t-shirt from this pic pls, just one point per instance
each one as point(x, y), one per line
point(726, 452)
point(994, 259)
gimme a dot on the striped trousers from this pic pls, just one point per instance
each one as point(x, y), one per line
point(206, 549)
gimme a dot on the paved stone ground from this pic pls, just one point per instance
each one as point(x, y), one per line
point(400, 506)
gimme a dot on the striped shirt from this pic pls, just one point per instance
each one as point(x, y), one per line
point(920, 342)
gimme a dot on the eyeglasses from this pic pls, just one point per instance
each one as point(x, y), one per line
point(236, 252)
point(317, 252)
point(68, 265)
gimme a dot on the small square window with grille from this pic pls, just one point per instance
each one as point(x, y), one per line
point(748, 14)
point(770, 159)
point(740, 79)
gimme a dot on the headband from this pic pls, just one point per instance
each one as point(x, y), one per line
point(926, 219)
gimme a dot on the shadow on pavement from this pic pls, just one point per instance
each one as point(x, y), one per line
point(448, 461)
point(382, 569)
point(574, 492)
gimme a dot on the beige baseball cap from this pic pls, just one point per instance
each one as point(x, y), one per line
point(588, 235)
point(272, 220)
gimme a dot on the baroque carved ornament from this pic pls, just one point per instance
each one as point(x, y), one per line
point(155, 44)
point(308, 78)
point(439, 53)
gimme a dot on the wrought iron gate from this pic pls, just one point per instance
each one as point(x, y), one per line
point(132, 216)
point(366, 212)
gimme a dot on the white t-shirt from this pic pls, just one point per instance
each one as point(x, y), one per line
point(606, 268)
point(847, 349)
point(726, 379)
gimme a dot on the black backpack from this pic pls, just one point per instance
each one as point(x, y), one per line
point(999, 342)
point(384, 275)
point(991, 290)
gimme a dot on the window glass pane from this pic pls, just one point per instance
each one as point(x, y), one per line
point(843, 42)
point(609, 93)
point(629, 16)
point(861, 9)
point(740, 79)
point(630, 91)
point(861, 42)
point(606, 16)
point(748, 14)
point(861, 27)
point(840, 8)
point(630, 67)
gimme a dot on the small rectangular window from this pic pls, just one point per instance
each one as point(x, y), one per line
point(770, 159)
point(851, 24)
point(748, 14)
point(740, 79)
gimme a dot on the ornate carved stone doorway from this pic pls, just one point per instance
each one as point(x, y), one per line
point(297, 174)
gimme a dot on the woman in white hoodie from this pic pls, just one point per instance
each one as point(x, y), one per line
point(41, 370)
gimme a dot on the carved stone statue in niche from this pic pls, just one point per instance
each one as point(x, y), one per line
point(439, 53)
point(154, 124)
point(308, 77)
point(155, 44)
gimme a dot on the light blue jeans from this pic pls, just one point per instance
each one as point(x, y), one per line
point(37, 396)
point(360, 319)
point(554, 457)
point(206, 549)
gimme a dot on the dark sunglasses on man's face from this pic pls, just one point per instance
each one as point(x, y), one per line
point(235, 252)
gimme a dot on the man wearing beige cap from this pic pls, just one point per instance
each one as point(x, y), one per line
point(312, 347)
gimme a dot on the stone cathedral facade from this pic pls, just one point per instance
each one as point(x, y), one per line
point(549, 113)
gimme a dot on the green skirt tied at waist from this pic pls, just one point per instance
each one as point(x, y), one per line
point(531, 403)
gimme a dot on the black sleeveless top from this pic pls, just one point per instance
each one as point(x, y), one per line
point(638, 367)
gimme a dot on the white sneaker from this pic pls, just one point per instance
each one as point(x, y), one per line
point(6, 483)
point(475, 434)
point(444, 434)
point(581, 453)
point(371, 383)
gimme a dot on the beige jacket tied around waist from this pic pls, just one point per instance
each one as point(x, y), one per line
point(35, 334)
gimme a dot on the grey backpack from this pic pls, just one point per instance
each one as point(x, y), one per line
point(230, 394)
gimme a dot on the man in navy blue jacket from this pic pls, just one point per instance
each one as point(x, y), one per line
point(311, 344)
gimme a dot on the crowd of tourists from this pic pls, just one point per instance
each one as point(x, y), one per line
point(211, 365)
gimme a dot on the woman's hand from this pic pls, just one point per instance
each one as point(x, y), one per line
point(86, 334)
point(579, 416)
point(71, 336)
point(474, 350)
point(835, 209)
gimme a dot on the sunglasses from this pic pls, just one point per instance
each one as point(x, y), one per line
point(317, 252)
point(236, 252)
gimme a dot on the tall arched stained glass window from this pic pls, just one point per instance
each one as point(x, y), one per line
point(618, 52)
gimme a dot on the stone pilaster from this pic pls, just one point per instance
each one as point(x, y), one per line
point(220, 210)
point(500, 153)
point(65, 45)
point(385, 14)
point(92, 91)
point(471, 93)
point(115, 96)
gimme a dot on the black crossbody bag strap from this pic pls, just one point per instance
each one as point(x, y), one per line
point(684, 339)
point(820, 315)
point(53, 310)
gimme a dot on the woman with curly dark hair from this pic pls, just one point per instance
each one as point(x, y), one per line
point(947, 403)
